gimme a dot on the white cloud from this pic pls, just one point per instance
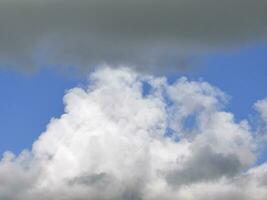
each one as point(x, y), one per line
point(261, 107)
point(111, 144)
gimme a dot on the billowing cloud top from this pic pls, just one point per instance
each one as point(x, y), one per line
point(127, 137)
point(146, 33)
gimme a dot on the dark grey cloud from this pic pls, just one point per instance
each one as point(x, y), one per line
point(144, 33)
point(91, 179)
point(263, 179)
point(103, 180)
point(232, 195)
point(205, 165)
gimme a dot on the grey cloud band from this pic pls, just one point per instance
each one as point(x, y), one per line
point(141, 33)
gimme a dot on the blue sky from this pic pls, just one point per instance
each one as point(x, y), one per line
point(29, 101)
point(240, 73)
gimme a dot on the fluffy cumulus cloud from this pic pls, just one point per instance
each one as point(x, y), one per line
point(126, 137)
point(151, 33)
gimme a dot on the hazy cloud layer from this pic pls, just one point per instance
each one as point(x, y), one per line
point(149, 34)
point(115, 142)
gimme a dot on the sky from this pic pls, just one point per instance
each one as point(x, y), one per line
point(133, 100)
point(240, 73)
point(40, 98)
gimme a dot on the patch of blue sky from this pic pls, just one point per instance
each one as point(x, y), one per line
point(27, 103)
